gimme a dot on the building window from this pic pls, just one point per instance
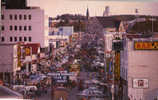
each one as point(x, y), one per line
point(25, 28)
point(29, 17)
point(15, 17)
point(25, 39)
point(20, 28)
point(2, 39)
point(20, 39)
point(20, 16)
point(15, 39)
point(30, 39)
point(11, 39)
point(11, 17)
point(30, 28)
point(15, 28)
point(25, 17)
point(2, 17)
point(11, 28)
point(2, 28)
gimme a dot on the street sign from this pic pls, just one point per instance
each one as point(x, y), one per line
point(140, 83)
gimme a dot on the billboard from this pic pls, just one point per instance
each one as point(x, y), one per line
point(146, 45)
point(140, 83)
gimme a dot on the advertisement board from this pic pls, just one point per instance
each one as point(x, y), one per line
point(140, 83)
point(146, 45)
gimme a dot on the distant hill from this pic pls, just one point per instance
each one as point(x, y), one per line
point(70, 17)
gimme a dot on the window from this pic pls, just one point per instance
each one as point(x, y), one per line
point(29, 17)
point(2, 39)
point(20, 38)
point(11, 39)
point(2, 28)
point(20, 28)
point(25, 28)
point(30, 39)
point(30, 28)
point(11, 27)
point(15, 17)
point(25, 39)
point(25, 17)
point(2, 17)
point(11, 17)
point(15, 39)
point(20, 17)
point(15, 28)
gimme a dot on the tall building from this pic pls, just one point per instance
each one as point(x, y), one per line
point(139, 69)
point(22, 25)
point(14, 4)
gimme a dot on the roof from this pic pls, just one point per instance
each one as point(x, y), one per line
point(109, 22)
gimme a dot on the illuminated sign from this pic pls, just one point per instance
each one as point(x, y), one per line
point(140, 83)
point(146, 45)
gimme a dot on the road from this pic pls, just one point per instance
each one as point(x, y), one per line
point(8, 93)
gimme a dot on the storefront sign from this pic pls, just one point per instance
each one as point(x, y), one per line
point(140, 83)
point(146, 45)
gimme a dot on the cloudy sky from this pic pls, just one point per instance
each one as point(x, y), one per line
point(96, 7)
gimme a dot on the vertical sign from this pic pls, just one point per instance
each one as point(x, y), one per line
point(117, 65)
point(19, 55)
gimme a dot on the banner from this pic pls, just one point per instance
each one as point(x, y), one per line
point(117, 65)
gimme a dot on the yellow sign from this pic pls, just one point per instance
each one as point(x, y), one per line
point(27, 51)
point(146, 45)
point(19, 56)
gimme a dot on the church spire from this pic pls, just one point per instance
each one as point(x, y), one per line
point(87, 13)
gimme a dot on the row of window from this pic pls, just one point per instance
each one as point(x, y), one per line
point(16, 39)
point(18, 28)
point(16, 17)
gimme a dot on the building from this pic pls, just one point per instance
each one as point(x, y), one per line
point(8, 62)
point(14, 4)
point(139, 69)
point(22, 25)
point(59, 36)
point(57, 40)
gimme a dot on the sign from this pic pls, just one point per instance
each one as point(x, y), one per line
point(19, 56)
point(146, 45)
point(117, 45)
point(27, 51)
point(117, 65)
point(140, 83)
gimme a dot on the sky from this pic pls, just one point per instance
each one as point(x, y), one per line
point(96, 7)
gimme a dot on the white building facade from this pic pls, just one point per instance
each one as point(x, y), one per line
point(22, 25)
point(139, 68)
point(8, 61)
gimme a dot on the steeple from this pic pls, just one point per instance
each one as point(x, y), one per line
point(87, 13)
